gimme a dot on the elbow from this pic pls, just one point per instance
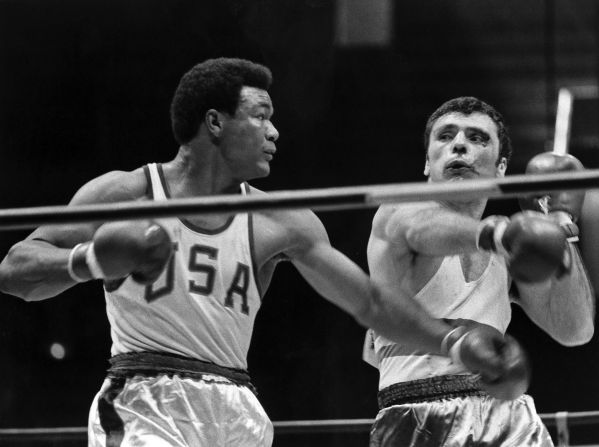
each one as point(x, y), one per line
point(10, 285)
point(5, 282)
point(581, 335)
point(366, 314)
point(26, 292)
point(7, 286)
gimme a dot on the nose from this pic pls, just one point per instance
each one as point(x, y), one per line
point(272, 134)
point(459, 143)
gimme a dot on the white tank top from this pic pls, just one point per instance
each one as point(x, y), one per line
point(446, 295)
point(204, 304)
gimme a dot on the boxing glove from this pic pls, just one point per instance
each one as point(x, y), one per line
point(565, 206)
point(119, 249)
point(534, 245)
point(500, 360)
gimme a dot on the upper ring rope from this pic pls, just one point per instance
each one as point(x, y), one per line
point(325, 199)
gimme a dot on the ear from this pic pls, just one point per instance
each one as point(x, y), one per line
point(214, 122)
point(501, 167)
point(427, 168)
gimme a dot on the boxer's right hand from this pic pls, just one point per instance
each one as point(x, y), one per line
point(534, 245)
point(500, 360)
point(119, 249)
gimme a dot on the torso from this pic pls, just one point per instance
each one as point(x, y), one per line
point(186, 312)
point(471, 287)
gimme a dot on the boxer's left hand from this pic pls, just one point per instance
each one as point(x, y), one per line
point(533, 244)
point(500, 361)
point(564, 206)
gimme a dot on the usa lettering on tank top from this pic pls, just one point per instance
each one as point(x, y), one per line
point(204, 304)
point(446, 295)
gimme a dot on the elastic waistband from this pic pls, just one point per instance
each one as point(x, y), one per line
point(151, 364)
point(426, 390)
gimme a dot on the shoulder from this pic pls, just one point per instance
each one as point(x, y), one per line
point(298, 220)
point(294, 228)
point(391, 219)
point(113, 186)
point(297, 225)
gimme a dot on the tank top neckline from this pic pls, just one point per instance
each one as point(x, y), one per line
point(187, 223)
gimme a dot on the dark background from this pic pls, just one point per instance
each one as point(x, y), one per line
point(85, 88)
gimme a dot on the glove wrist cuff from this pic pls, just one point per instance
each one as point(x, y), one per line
point(490, 233)
point(455, 350)
point(92, 263)
point(451, 338)
point(83, 264)
point(567, 223)
point(76, 266)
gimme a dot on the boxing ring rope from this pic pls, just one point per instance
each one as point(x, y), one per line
point(343, 426)
point(325, 199)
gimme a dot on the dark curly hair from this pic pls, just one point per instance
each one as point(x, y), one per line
point(212, 84)
point(467, 105)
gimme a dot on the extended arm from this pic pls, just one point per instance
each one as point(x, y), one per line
point(36, 268)
point(345, 284)
point(430, 229)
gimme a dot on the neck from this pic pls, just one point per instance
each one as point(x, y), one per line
point(473, 208)
point(199, 170)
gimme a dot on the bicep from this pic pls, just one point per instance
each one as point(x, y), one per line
point(308, 239)
point(310, 249)
point(114, 186)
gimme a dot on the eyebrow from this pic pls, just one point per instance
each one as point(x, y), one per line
point(267, 105)
point(468, 129)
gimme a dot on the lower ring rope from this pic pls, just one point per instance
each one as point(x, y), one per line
point(302, 426)
point(326, 199)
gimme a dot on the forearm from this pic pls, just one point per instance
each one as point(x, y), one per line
point(402, 320)
point(564, 306)
point(35, 270)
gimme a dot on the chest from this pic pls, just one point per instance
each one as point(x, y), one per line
point(207, 262)
point(473, 265)
point(467, 267)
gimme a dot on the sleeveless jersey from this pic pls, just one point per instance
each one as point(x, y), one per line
point(446, 295)
point(204, 304)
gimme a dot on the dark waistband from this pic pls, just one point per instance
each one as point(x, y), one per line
point(427, 390)
point(151, 364)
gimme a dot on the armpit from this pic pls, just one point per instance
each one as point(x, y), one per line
point(281, 257)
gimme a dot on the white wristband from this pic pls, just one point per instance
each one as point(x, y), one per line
point(498, 235)
point(496, 225)
point(72, 273)
point(454, 351)
point(445, 341)
point(93, 264)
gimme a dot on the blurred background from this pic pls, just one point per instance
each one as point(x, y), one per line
point(85, 88)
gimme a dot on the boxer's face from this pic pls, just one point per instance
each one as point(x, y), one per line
point(463, 147)
point(248, 138)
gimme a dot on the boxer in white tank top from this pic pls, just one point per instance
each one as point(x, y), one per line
point(204, 304)
point(201, 307)
point(456, 267)
point(446, 295)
